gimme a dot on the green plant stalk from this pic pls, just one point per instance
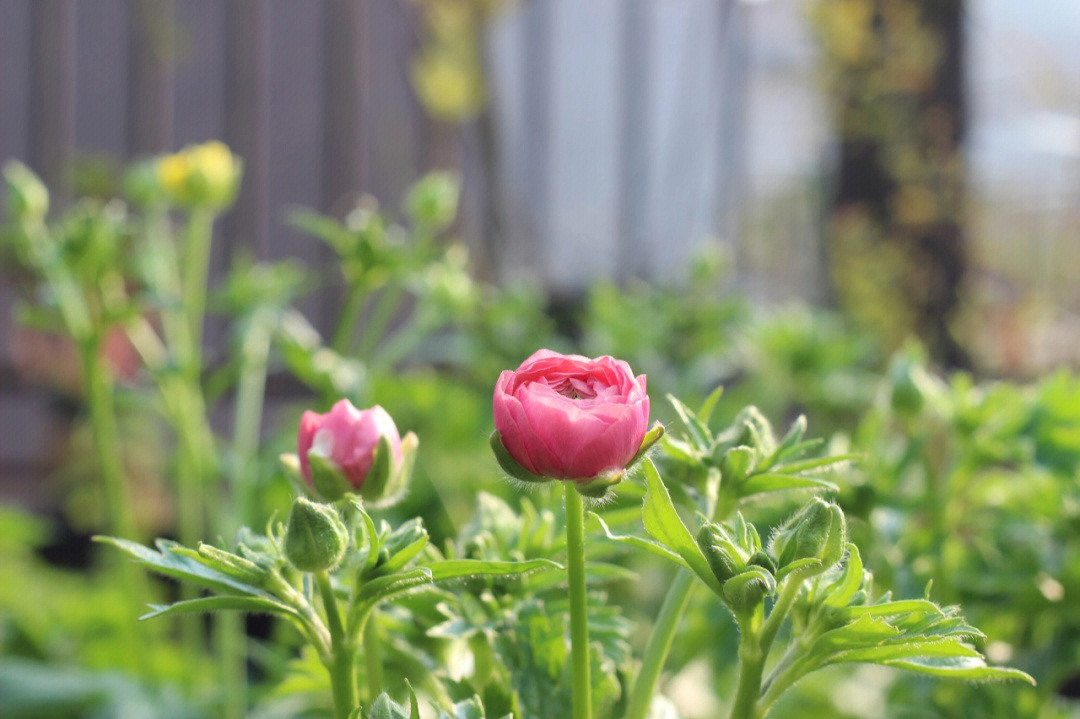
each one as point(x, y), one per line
point(656, 651)
point(579, 619)
point(752, 654)
point(667, 623)
point(99, 398)
point(197, 245)
point(353, 308)
point(373, 675)
point(229, 638)
point(342, 659)
point(755, 641)
point(386, 306)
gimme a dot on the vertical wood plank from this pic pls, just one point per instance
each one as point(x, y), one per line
point(633, 136)
point(102, 78)
point(346, 87)
point(296, 124)
point(52, 90)
point(14, 78)
point(151, 75)
point(200, 81)
point(536, 82)
point(247, 118)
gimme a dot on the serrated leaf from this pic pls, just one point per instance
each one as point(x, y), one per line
point(905, 649)
point(190, 568)
point(381, 588)
point(892, 609)
point(961, 668)
point(256, 605)
point(444, 570)
point(663, 523)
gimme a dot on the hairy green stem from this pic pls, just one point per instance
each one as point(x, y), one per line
point(342, 660)
point(373, 675)
point(656, 651)
point(751, 666)
point(579, 620)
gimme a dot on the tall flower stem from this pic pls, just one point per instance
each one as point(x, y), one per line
point(656, 651)
point(579, 620)
point(342, 660)
point(644, 685)
point(99, 399)
point(229, 637)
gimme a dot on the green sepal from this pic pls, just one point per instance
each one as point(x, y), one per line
point(391, 478)
point(651, 437)
point(746, 590)
point(509, 464)
point(329, 483)
point(736, 464)
point(380, 472)
point(597, 487)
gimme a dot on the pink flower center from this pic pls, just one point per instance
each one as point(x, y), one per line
point(588, 388)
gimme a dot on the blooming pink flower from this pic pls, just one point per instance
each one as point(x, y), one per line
point(348, 437)
point(571, 417)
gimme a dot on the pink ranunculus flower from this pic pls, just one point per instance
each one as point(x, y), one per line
point(571, 417)
point(348, 437)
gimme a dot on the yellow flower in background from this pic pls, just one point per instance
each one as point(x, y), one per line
point(452, 88)
point(206, 174)
point(172, 173)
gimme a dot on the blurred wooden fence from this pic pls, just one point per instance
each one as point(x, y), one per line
point(313, 94)
point(616, 140)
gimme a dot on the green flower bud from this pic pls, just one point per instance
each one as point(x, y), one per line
point(745, 591)
point(724, 556)
point(763, 560)
point(316, 538)
point(817, 531)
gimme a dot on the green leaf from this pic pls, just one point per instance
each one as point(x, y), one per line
point(817, 463)
point(770, 482)
point(386, 708)
point(444, 570)
point(663, 523)
point(961, 668)
point(376, 590)
point(697, 429)
point(892, 609)
point(191, 567)
point(849, 582)
point(704, 414)
point(256, 605)
point(647, 545)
